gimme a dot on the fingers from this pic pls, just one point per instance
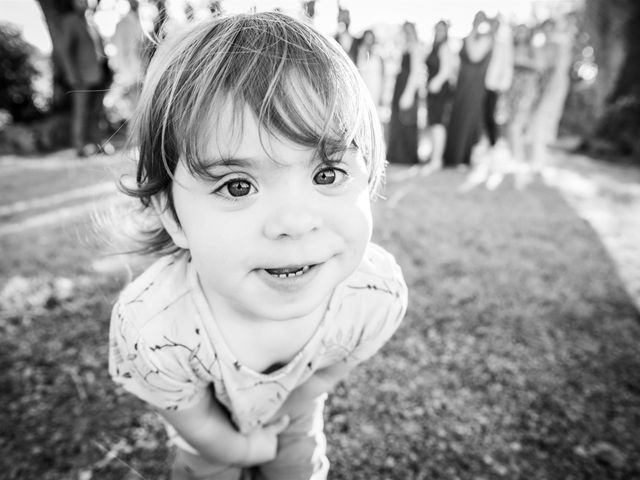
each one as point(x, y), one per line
point(279, 425)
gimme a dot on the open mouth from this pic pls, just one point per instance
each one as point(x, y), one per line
point(288, 272)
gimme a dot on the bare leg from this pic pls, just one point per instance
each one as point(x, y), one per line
point(302, 446)
point(188, 466)
point(438, 139)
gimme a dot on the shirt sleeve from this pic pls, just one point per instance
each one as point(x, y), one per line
point(383, 306)
point(152, 366)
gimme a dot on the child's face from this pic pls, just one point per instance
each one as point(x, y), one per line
point(270, 241)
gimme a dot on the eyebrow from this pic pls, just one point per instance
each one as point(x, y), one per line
point(228, 162)
point(245, 162)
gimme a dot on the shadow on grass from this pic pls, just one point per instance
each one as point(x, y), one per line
point(518, 357)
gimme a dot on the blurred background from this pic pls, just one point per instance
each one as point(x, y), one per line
point(601, 106)
point(511, 202)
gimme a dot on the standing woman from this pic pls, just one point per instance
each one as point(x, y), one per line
point(440, 67)
point(129, 40)
point(524, 95)
point(88, 76)
point(555, 50)
point(499, 75)
point(403, 125)
point(347, 41)
point(466, 114)
point(371, 66)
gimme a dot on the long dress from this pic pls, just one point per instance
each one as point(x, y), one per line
point(371, 68)
point(403, 125)
point(465, 123)
point(437, 103)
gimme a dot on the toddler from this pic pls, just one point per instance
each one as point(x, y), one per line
point(259, 152)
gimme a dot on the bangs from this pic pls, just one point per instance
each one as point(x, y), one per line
point(298, 84)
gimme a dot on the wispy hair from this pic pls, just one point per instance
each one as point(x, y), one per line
point(299, 85)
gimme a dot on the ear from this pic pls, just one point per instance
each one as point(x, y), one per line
point(170, 224)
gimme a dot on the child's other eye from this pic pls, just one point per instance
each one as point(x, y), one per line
point(329, 176)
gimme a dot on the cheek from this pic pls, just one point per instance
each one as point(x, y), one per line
point(223, 239)
point(358, 222)
point(364, 206)
point(216, 235)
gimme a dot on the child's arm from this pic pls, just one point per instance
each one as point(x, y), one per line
point(375, 317)
point(321, 382)
point(207, 428)
point(154, 365)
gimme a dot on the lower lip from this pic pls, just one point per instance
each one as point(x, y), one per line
point(289, 284)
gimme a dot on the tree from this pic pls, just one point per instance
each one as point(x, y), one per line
point(16, 74)
point(614, 29)
point(53, 20)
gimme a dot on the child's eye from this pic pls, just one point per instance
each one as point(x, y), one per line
point(238, 188)
point(235, 188)
point(329, 176)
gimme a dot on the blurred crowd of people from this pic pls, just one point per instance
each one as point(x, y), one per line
point(504, 81)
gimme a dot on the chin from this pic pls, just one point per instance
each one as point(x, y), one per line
point(290, 310)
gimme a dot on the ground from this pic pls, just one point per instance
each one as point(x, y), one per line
point(518, 357)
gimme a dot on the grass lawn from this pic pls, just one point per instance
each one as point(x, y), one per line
point(518, 357)
point(20, 184)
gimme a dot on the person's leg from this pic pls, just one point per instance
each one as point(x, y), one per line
point(515, 139)
point(79, 107)
point(438, 140)
point(537, 139)
point(189, 466)
point(133, 96)
point(97, 120)
point(301, 447)
point(491, 126)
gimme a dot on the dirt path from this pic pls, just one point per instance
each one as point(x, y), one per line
point(608, 197)
point(63, 188)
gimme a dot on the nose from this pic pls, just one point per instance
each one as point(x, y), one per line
point(291, 222)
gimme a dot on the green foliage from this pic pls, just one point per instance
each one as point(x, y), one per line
point(41, 135)
point(620, 125)
point(16, 74)
point(613, 33)
point(578, 117)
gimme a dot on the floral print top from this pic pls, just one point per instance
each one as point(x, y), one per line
point(166, 349)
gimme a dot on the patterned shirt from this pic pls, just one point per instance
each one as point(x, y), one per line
point(166, 348)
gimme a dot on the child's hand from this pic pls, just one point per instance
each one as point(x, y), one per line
point(262, 444)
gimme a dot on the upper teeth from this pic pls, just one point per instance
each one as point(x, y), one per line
point(297, 273)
